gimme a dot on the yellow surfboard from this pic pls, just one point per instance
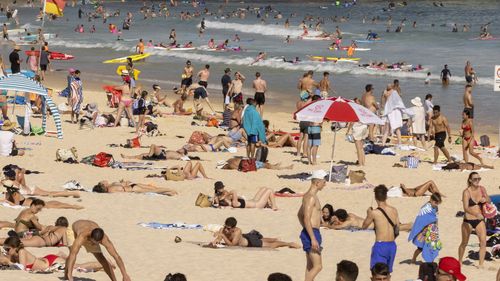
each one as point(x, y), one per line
point(120, 68)
point(124, 59)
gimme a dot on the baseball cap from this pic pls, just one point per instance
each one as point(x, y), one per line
point(318, 174)
point(451, 266)
point(218, 185)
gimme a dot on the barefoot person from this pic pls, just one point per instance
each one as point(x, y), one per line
point(386, 221)
point(468, 137)
point(260, 86)
point(473, 198)
point(439, 128)
point(203, 76)
point(310, 218)
point(421, 189)
point(264, 198)
point(368, 100)
point(324, 85)
point(89, 235)
point(233, 236)
point(187, 76)
point(127, 186)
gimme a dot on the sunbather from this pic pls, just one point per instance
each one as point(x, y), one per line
point(421, 189)
point(276, 139)
point(262, 199)
point(343, 220)
point(327, 215)
point(190, 171)
point(234, 163)
point(127, 186)
point(49, 236)
point(233, 236)
point(158, 152)
point(224, 142)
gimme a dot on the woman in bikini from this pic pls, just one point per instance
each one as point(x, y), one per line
point(158, 152)
point(264, 198)
point(468, 138)
point(125, 101)
point(14, 197)
point(473, 198)
point(421, 189)
point(50, 236)
point(191, 171)
point(127, 186)
point(278, 139)
point(220, 142)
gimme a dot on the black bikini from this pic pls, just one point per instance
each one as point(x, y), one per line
point(476, 222)
point(242, 203)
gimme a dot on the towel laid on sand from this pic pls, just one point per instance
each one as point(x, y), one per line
point(179, 225)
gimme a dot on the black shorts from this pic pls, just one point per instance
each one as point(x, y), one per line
point(238, 98)
point(303, 125)
point(203, 83)
point(440, 138)
point(471, 111)
point(260, 99)
point(14, 152)
point(187, 81)
point(43, 67)
point(200, 93)
point(254, 239)
point(468, 78)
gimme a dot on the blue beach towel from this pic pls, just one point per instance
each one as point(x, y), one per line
point(178, 225)
point(425, 233)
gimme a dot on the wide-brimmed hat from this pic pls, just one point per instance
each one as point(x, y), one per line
point(8, 125)
point(92, 107)
point(417, 101)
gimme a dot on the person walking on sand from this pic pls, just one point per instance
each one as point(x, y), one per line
point(438, 128)
point(468, 104)
point(75, 99)
point(260, 86)
point(468, 137)
point(369, 101)
point(386, 221)
point(309, 216)
point(89, 235)
point(226, 83)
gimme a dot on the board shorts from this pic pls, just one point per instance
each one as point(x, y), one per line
point(440, 138)
point(314, 135)
point(303, 125)
point(14, 152)
point(383, 252)
point(260, 99)
point(468, 78)
point(200, 93)
point(304, 95)
point(471, 111)
point(238, 98)
point(43, 67)
point(253, 139)
point(203, 83)
point(254, 239)
point(306, 239)
point(187, 82)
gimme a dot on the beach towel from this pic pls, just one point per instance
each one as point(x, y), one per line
point(289, 195)
point(179, 225)
point(299, 176)
point(425, 233)
point(359, 187)
point(395, 192)
point(252, 123)
point(76, 95)
point(5, 204)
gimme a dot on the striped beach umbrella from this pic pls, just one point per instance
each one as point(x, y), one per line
point(20, 83)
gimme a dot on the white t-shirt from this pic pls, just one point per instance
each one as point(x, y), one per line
point(6, 142)
point(428, 106)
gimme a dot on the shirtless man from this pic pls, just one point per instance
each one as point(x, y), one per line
point(233, 236)
point(203, 76)
point(343, 220)
point(179, 106)
point(158, 152)
point(310, 218)
point(187, 76)
point(468, 72)
point(236, 87)
point(307, 84)
point(324, 85)
point(368, 100)
point(468, 104)
point(386, 221)
point(199, 92)
point(439, 127)
point(445, 75)
point(89, 235)
point(303, 125)
point(260, 86)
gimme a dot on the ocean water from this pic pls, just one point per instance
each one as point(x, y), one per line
point(431, 44)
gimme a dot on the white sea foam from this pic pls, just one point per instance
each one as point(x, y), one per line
point(117, 46)
point(270, 30)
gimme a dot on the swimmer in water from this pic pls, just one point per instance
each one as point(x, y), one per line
point(236, 38)
point(287, 40)
point(211, 43)
point(260, 57)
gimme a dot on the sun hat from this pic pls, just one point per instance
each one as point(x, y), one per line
point(8, 125)
point(416, 101)
point(451, 266)
point(318, 174)
point(92, 107)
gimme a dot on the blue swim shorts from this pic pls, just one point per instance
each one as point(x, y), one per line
point(306, 239)
point(384, 252)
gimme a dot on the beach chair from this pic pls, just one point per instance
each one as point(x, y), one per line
point(114, 96)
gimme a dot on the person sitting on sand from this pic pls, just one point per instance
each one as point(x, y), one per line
point(277, 139)
point(15, 198)
point(327, 215)
point(189, 171)
point(89, 235)
point(27, 220)
point(8, 145)
point(233, 236)
point(127, 186)
point(262, 199)
point(234, 163)
point(48, 237)
point(421, 189)
point(179, 106)
point(158, 152)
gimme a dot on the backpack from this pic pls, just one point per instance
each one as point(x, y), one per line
point(247, 165)
point(339, 173)
point(427, 271)
point(103, 159)
point(67, 155)
point(485, 140)
point(261, 154)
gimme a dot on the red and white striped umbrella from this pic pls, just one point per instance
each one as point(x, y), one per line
point(337, 109)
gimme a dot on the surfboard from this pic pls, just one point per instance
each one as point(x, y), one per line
point(60, 56)
point(368, 41)
point(124, 59)
point(174, 49)
point(29, 37)
point(15, 31)
point(345, 49)
point(485, 39)
point(321, 58)
point(315, 38)
point(124, 67)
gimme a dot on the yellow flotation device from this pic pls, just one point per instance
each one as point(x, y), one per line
point(120, 68)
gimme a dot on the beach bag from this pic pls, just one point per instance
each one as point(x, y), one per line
point(212, 122)
point(247, 165)
point(133, 143)
point(394, 226)
point(427, 271)
point(261, 154)
point(103, 159)
point(485, 140)
point(339, 173)
point(196, 138)
point(67, 155)
point(411, 162)
point(175, 174)
point(493, 240)
point(150, 126)
point(203, 201)
point(488, 210)
point(357, 176)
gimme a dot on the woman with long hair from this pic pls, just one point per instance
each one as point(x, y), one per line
point(468, 137)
